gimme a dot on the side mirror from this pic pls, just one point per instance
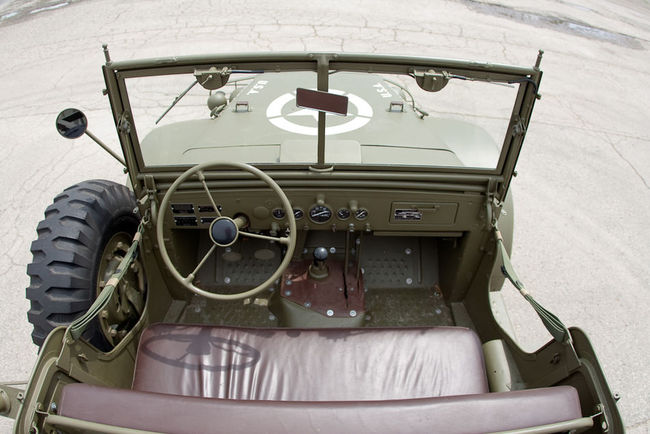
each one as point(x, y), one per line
point(71, 123)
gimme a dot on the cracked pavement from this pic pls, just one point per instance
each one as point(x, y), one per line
point(582, 197)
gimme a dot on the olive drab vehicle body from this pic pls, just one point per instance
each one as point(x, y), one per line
point(305, 242)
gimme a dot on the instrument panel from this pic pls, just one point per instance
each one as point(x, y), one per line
point(330, 210)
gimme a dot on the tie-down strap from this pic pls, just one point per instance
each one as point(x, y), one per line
point(552, 323)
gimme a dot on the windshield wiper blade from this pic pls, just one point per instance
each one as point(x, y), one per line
point(178, 98)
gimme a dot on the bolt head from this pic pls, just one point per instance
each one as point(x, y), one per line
point(287, 293)
point(409, 281)
point(226, 280)
point(330, 312)
point(353, 313)
point(407, 251)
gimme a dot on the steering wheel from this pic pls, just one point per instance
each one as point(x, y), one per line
point(224, 230)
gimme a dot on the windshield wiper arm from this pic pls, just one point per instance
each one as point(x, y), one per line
point(178, 98)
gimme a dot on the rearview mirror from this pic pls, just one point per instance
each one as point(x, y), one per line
point(71, 123)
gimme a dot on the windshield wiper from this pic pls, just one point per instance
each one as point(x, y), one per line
point(211, 79)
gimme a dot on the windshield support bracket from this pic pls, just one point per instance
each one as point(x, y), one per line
point(492, 204)
point(123, 124)
point(519, 129)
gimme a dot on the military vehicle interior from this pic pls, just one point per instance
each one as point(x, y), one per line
point(371, 310)
point(292, 297)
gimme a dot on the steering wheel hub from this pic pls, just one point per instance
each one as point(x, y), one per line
point(223, 231)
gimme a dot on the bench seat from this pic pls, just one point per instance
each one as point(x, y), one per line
point(191, 379)
point(311, 364)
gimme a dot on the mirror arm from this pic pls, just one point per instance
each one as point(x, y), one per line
point(105, 147)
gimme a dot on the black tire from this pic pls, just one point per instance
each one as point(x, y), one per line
point(67, 253)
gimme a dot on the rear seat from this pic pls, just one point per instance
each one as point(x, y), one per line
point(192, 379)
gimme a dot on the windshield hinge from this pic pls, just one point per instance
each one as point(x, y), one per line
point(518, 129)
point(150, 190)
point(492, 203)
point(123, 123)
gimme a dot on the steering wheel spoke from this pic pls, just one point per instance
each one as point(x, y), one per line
point(207, 191)
point(190, 277)
point(281, 240)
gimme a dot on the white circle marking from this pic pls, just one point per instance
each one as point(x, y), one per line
point(363, 116)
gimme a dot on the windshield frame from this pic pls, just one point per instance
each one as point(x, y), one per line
point(526, 78)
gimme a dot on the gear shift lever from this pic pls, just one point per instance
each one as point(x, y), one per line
point(318, 269)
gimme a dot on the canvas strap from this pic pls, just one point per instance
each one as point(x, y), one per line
point(552, 323)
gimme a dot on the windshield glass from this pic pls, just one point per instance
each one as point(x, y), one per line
point(254, 119)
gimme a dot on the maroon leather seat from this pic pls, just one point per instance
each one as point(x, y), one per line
point(309, 365)
point(192, 379)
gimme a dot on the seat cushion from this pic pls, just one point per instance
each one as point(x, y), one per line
point(309, 365)
point(453, 414)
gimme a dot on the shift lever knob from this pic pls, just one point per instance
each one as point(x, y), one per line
point(318, 270)
point(320, 255)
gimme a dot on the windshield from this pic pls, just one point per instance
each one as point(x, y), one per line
point(391, 120)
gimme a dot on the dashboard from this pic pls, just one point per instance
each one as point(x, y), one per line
point(331, 209)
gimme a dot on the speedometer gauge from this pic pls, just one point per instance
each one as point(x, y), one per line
point(320, 214)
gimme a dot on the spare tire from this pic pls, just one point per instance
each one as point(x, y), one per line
point(87, 227)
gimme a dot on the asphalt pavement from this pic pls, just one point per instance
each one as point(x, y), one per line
point(582, 197)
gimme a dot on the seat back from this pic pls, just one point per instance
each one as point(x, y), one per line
point(486, 412)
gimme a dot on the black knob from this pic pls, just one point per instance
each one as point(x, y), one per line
point(320, 255)
point(223, 231)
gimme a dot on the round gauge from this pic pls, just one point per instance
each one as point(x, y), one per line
point(361, 214)
point(278, 213)
point(343, 213)
point(320, 213)
point(298, 213)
